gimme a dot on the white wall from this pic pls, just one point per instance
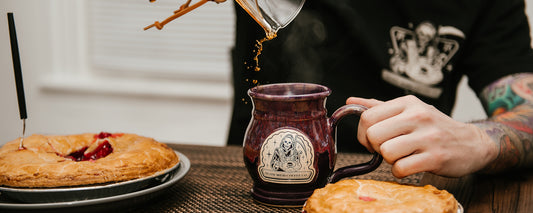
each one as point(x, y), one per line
point(170, 117)
point(169, 110)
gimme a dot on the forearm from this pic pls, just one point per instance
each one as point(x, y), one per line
point(510, 126)
point(513, 135)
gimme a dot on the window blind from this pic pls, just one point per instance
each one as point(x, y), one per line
point(196, 45)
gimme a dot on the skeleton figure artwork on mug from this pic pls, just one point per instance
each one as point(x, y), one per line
point(286, 156)
point(287, 153)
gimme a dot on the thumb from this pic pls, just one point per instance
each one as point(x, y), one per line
point(363, 101)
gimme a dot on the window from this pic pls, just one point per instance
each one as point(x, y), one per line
point(103, 40)
point(195, 45)
point(107, 73)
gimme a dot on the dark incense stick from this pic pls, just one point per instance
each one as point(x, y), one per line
point(18, 75)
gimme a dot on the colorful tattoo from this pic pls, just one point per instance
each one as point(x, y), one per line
point(499, 97)
point(504, 101)
point(510, 104)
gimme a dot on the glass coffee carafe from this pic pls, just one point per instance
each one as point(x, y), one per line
point(272, 15)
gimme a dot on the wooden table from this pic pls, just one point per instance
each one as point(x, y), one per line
point(218, 182)
point(510, 192)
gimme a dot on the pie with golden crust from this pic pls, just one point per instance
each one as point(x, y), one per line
point(378, 196)
point(83, 159)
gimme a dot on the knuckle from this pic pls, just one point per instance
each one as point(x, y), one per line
point(365, 118)
point(434, 135)
point(371, 135)
point(421, 115)
point(387, 154)
point(398, 171)
point(409, 99)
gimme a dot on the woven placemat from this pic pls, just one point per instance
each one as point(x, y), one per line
point(219, 182)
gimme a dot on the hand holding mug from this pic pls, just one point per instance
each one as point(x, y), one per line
point(416, 137)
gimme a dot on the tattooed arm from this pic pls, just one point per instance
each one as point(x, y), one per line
point(416, 137)
point(509, 103)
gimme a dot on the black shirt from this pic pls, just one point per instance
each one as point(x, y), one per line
point(383, 50)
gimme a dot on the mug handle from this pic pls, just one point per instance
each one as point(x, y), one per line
point(358, 169)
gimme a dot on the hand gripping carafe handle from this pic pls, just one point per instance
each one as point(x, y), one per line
point(358, 169)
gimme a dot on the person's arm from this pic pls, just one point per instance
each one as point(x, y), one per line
point(416, 137)
point(509, 103)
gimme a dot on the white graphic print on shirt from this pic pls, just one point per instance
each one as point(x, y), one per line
point(420, 56)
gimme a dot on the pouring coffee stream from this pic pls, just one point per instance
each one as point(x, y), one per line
point(271, 15)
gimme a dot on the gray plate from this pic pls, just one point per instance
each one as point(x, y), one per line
point(460, 208)
point(104, 194)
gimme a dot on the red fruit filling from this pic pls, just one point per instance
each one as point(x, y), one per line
point(366, 198)
point(101, 151)
point(77, 155)
point(103, 135)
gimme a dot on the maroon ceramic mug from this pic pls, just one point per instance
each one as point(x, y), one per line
point(289, 146)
